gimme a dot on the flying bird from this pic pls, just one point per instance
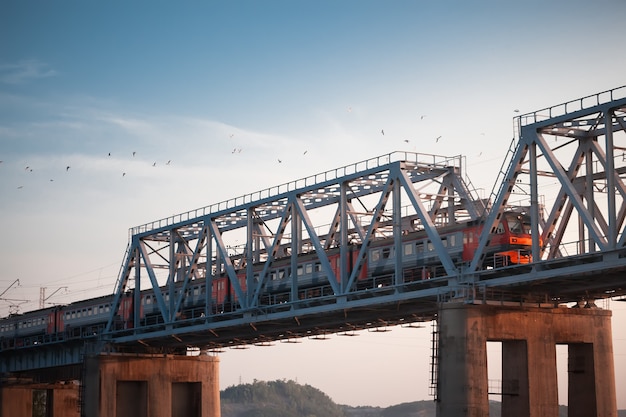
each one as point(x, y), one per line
point(168, 162)
point(382, 131)
point(406, 141)
point(67, 168)
point(304, 152)
point(134, 153)
point(280, 162)
point(437, 140)
point(154, 164)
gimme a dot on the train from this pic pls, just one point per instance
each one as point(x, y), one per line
point(510, 244)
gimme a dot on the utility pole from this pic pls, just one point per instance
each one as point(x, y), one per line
point(42, 295)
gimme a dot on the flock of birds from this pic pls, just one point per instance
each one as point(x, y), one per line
point(30, 169)
point(238, 150)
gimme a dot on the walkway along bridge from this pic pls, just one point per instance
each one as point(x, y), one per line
point(368, 245)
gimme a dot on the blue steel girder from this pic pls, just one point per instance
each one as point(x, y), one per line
point(283, 224)
point(592, 187)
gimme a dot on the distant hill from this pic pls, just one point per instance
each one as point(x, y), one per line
point(290, 399)
point(277, 399)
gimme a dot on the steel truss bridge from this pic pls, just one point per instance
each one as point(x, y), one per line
point(566, 165)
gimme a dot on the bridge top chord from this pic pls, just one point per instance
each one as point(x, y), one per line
point(418, 160)
point(569, 107)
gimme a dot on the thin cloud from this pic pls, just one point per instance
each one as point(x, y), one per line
point(25, 71)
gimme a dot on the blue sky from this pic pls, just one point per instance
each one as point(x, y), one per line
point(188, 82)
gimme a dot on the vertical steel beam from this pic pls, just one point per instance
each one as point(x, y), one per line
point(173, 237)
point(208, 273)
point(588, 190)
point(137, 296)
point(296, 232)
point(344, 275)
point(397, 232)
point(249, 254)
point(534, 202)
point(610, 179)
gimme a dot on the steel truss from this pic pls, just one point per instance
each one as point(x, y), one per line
point(356, 204)
point(568, 159)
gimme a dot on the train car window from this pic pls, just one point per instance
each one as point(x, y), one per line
point(430, 246)
point(148, 299)
point(318, 267)
point(408, 249)
point(386, 253)
point(107, 308)
point(375, 255)
point(89, 311)
point(300, 270)
point(281, 273)
point(500, 229)
point(452, 239)
point(308, 268)
point(419, 247)
point(444, 241)
point(273, 275)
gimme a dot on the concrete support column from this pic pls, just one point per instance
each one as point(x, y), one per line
point(543, 388)
point(463, 384)
point(581, 390)
point(152, 386)
point(55, 400)
point(515, 400)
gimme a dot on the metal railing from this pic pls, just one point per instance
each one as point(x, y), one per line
point(573, 106)
point(419, 159)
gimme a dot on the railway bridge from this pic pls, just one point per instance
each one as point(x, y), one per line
point(396, 239)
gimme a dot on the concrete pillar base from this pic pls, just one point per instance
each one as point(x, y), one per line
point(27, 399)
point(529, 336)
point(152, 386)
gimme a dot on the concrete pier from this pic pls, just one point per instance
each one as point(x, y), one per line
point(19, 399)
point(529, 336)
point(152, 386)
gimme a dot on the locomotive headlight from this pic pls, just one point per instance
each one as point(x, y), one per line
point(513, 240)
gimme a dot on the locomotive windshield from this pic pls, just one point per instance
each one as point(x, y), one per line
point(518, 223)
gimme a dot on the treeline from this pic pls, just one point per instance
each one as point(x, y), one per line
point(277, 399)
point(289, 399)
